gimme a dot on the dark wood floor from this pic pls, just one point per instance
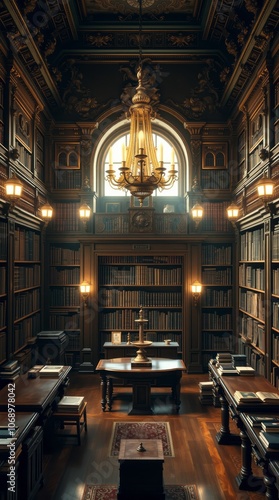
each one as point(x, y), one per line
point(198, 458)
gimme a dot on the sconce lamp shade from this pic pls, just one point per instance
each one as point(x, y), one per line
point(13, 187)
point(84, 288)
point(233, 212)
point(47, 212)
point(197, 212)
point(265, 188)
point(196, 287)
point(84, 212)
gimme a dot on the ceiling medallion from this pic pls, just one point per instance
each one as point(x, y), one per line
point(145, 3)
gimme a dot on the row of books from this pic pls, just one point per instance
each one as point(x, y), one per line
point(3, 240)
point(27, 276)
point(63, 276)
point(216, 321)
point(215, 179)
point(213, 341)
point(252, 245)
point(251, 276)
point(64, 320)
point(67, 218)
point(140, 275)
point(60, 255)
point(132, 298)
point(217, 298)
point(252, 302)
point(216, 276)
point(27, 302)
point(27, 244)
point(157, 320)
point(251, 329)
point(215, 219)
point(275, 281)
point(65, 296)
point(67, 179)
point(135, 259)
point(269, 429)
point(26, 329)
point(3, 274)
point(3, 313)
point(220, 255)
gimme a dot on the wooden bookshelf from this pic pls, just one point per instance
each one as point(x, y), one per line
point(253, 296)
point(26, 286)
point(154, 283)
point(275, 303)
point(3, 289)
point(64, 296)
point(217, 300)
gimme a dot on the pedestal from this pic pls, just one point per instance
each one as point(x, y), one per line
point(141, 472)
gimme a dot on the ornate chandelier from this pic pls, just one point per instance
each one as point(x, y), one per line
point(141, 172)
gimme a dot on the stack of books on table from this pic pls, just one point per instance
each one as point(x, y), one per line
point(223, 357)
point(256, 397)
point(70, 404)
point(10, 370)
point(51, 371)
point(257, 420)
point(206, 395)
point(7, 436)
point(245, 370)
point(239, 359)
point(269, 435)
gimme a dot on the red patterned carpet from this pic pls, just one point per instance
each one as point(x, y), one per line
point(141, 430)
point(109, 492)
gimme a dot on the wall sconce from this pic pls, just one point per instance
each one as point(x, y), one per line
point(265, 189)
point(47, 213)
point(196, 291)
point(13, 189)
point(197, 213)
point(84, 213)
point(233, 213)
point(85, 290)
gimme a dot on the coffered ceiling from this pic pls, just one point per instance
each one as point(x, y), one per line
point(216, 44)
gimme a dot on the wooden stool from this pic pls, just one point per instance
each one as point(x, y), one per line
point(79, 419)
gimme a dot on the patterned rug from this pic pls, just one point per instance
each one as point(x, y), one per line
point(141, 430)
point(109, 492)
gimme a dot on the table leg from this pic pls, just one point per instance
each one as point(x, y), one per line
point(110, 393)
point(224, 436)
point(104, 391)
point(245, 479)
point(176, 392)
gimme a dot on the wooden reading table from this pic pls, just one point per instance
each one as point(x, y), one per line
point(36, 394)
point(163, 373)
point(249, 439)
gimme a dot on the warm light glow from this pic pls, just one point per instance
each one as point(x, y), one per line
point(85, 290)
point(84, 287)
point(84, 212)
point(13, 187)
point(47, 211)
point(197, 212)
point(265, 189)
point(233, 212)
point(196, 287)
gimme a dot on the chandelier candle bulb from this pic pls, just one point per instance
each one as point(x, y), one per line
point(110, 157)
